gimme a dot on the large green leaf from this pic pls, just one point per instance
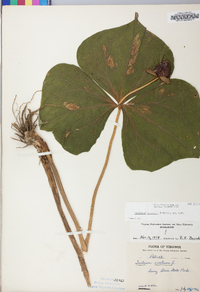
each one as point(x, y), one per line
point(160, 121)
point(116, 58)
point(161, 126)
point(76, 108)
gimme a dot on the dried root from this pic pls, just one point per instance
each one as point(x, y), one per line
point(23, 122)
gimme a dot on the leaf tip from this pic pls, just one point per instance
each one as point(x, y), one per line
point(136, 16)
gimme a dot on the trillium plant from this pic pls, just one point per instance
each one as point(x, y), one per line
point(129, 69)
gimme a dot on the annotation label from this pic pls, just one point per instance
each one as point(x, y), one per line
point(165, 231)
point(162, 211)
point(174, 17)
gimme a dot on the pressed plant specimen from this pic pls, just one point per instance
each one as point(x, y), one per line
point(129, 69)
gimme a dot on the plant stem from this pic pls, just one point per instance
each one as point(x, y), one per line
point(24, 127)
point(67, 204)
point(137, 89)
point(87, 239)
point(52, 183)
point(41, 146)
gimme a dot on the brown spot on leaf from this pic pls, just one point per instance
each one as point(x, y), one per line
point(104, 51)
point(161, 91)
point(134, 52)
point(131, 65)
point(70, 106)
point(135, 45)
point(110, 62)
point(131, 62)
point(130, 70)
point(67, 134)
point(144, 108)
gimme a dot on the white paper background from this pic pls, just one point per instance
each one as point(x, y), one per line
point(37, 255)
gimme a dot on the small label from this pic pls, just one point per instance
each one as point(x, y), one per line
point(183, 16)
point(162, 211)
point(165, 231)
